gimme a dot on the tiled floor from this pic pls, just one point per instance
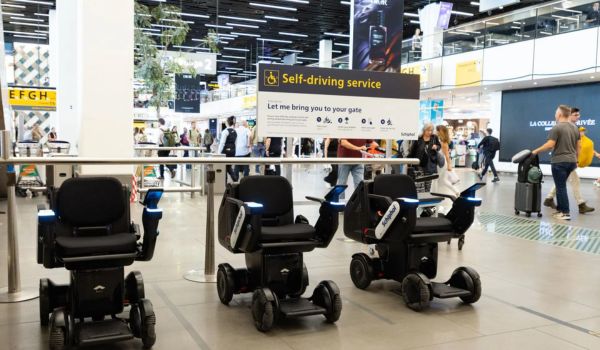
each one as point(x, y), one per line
point(536, 295)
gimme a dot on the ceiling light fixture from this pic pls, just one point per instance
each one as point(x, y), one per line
point(461, 13)
point(227, 61)
point(408, 14)
point(188, 14)
point(235, 57)
point(47, 3)
point(291, 50)
point(342, 44)
point(218, 26)
point(287, 19)
point(235, 49)
point(13, 6)
point(284, 8)
point(244, 19)
point(29, 24)
point(12, 14)
point(234, 68)
point(29, 37)
point(305, 2)
point(294, 34)
point(41, 14)
point(275, 40)
point(246, 34)
point(270, 58)
point(27, 19)
point(242, 25)
point(345, 3)
point(337, 34)
point(307, 58)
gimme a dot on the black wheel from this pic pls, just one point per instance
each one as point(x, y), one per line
point(415, 292)
point(540, 215)
point(335, 301)
point(57, 338)
point(528, 214)
point(468, 279)
point(361, 271)
point(225, 283)
point(517, 212)
point(148, 331)
point(263, 310)
point(304, 282)
point(44, 302)
point(461, 242)
point(135, 321)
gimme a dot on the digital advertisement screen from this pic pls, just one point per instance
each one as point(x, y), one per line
point(188, 91)
point(377, 34)
point(528, 116)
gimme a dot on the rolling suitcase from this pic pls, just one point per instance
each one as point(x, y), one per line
point(528, 191)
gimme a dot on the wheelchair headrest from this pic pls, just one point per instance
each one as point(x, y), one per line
point(273, 192)
point(90, 201)
point(394, 186)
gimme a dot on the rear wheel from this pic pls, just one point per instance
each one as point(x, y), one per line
point(44, 302)
point(58, 331)
point(225, 283)
point(148, 331)
point(361, 271)
point(415, 292)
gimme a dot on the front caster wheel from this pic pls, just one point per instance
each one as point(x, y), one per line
point(540, 215)
point(517, 212)
point(142, 321)
point(327, 296)
point(468, 279)
point(263, 310)
point(528, 214)
point(225, 283)
point(361, 270)
point(58, 330)
point(415, 292)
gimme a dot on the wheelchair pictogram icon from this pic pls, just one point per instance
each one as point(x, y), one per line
point(271, 78)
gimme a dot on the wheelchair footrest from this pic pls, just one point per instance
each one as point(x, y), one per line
point(109, 331)
point(299, 307)
point(443, 291)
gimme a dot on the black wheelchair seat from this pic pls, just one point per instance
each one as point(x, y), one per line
point(292, 232)
point(433, 224)
point(70, 246)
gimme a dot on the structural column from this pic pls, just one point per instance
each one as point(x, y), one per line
point(325, 53)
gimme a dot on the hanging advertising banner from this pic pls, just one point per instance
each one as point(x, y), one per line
point(432, 111)
point(298, 101)
point(187, 93)
point(444, 16)
point(376, 35)
point(32, 99)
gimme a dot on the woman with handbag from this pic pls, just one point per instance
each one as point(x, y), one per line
point(426, 149)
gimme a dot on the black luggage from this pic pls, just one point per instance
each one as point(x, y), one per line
point(528, 191)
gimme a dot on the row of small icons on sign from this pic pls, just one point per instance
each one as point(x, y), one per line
point(346, 120)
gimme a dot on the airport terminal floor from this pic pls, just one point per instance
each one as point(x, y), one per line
point(540, 285)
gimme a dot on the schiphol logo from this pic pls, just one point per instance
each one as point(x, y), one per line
point(389, 216)
point(99, 289)
point(271, 77)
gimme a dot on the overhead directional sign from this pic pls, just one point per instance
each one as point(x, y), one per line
point(298, 101)
point(32, 99)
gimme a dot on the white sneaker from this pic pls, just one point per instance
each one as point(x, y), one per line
point(561, 216)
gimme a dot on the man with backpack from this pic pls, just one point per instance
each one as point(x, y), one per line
point(489, 146)
point(208, 140)
point(227, 146)
point(167, 138)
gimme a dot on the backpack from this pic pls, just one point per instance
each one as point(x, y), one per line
point(229, 147)
point(494, 144)
point(208, 139)
point(170, 138)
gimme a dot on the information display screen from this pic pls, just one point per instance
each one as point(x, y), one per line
point(528, 116)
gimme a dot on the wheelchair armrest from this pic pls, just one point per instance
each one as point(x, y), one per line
point(471, 201)
point(425, 178)
point(150, 220)
point(247, 227)
point(452, 198)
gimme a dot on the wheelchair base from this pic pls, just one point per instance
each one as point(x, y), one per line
point(299, 307)
point(102, 332)
point(444, 291)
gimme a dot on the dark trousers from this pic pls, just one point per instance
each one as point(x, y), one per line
point(560, 174)
point(245, 169)
point(277, 166)
point(161, 168)
point(232, 174)
point(488, 162)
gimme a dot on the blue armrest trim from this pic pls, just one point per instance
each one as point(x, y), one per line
point(46, 216)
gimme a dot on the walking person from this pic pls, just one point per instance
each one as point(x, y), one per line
point(208, 140)
point(585, 157)
point(447, 177)
point(565, 143)
point(274, 149)
point(227, 145)
point(330, 148)
point(258, 147)
point(489, 146)
point(166, 139)
point(243, 147)
point(351, 148)
point(425, 149)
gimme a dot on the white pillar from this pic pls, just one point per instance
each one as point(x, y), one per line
point(325, 53)
point(98, 86)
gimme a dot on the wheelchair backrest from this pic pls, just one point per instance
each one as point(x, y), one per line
point(394, 186)
point(274, 193)
point(88, 206)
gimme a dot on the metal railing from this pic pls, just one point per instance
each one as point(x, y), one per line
point(16, 294)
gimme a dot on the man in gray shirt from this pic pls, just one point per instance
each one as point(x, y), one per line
point(565, 143)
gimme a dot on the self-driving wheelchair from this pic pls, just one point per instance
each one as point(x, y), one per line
point(87, 230)
point(256, 217)
point(382, 214)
